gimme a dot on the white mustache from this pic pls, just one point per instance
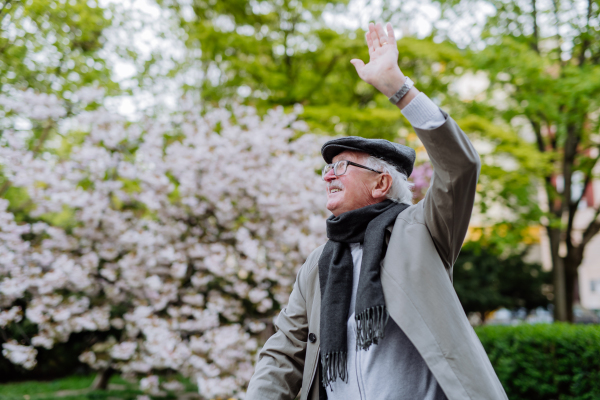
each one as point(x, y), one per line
point(335, 185)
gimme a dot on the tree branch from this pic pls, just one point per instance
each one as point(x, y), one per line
point(586, 39)
point(42, 138)
point(288, 58)
point(324, 76)
point(592, 229)
point(558, 36)
point(535, 27)
point(4, 187)
point(588, 179)
point(537, 128)
point(570, 150)
point(541, 144)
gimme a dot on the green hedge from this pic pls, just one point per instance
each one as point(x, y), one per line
point(545, 361)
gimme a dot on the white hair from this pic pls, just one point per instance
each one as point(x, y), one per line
point(401, 190)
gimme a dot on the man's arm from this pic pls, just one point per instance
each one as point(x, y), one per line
point(278, 373)
point(449, 201)
point(448, 204)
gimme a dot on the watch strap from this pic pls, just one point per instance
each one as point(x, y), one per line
point(408, 84)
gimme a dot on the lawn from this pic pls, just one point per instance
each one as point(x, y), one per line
point(76, 387)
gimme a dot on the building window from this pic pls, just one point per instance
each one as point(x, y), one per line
point(595, 286)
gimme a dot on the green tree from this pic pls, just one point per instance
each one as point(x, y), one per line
point(486, 281)
point(542, 60)
point(282, 52)
point(52, 46)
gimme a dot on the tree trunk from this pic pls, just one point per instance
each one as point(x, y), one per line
point(558, 270)
point(572, 285)
point(572, 282)
point(560, 295)
point(101, 380)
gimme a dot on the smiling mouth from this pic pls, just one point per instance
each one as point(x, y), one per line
point(335, 190)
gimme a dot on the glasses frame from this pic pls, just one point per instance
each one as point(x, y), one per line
point(335, 164)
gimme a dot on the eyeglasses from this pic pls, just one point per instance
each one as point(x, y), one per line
point(340, 167)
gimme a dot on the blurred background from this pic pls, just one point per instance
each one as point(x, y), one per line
point(160, 182)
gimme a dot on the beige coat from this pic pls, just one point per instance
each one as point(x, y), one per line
point(416, 275)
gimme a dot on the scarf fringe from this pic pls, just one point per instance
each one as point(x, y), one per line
point(370, 326)
point(334, 365)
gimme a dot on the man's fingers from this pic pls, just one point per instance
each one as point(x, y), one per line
point(358, 64)
point(370, 42)
point(374, 37)
point(391, 36)
point(383, 39)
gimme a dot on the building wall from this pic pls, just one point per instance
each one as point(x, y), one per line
point(589, 276)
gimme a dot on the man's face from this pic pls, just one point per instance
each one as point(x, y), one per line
point(355, 189)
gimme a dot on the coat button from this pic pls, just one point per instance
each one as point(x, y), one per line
point(312, 337)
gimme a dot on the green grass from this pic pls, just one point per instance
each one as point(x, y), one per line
point(76, 387)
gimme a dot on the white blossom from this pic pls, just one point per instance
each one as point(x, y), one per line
point(173, 386)
point(12, 315)
point(193, 225)
point(19, 355)
point(150, 384)
point(123, 351)
point(37, 106)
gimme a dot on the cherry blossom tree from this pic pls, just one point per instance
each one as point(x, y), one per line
point(178, 236)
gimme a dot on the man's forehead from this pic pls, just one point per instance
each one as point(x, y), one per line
point(350, 156)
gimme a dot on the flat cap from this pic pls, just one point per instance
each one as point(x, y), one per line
point(400, 156)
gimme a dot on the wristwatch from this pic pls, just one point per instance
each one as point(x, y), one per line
point(408, 84)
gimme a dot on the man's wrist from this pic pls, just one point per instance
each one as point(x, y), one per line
point(390, 86)
point(392, 83)
point(404, 101)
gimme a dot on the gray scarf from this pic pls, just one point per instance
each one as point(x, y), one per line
point(365, 225)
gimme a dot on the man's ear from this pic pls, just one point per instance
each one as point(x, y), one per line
point(382, 186)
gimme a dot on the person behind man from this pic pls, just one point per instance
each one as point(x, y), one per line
point(385, 258)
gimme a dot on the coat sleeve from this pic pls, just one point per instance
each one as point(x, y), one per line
point(448, 204)
point(278, 373)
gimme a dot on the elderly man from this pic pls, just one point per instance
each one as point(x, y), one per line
point(385, 258)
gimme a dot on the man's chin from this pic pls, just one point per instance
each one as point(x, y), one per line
point(334, 207)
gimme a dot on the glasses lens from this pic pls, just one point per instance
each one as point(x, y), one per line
point(326, 169)
point(340, 167)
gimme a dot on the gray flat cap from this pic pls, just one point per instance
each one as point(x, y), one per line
point(400, 156)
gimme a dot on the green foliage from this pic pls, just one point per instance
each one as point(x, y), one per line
point(74, 387)
point(77, 387)
point(542, 61)
point(53, 46)
point(485, 281)
point(282, 53)
point(542, 362)
point(510, 171)
point(20, 389)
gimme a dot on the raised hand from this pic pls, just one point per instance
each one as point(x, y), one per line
point(382, 71)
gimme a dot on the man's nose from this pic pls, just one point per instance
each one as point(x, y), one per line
point(329, 176)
